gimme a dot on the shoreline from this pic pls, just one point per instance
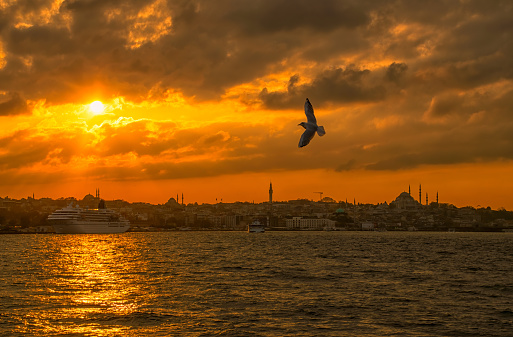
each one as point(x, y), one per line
point(477, 230)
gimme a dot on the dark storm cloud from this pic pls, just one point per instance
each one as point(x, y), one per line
point(40, 40)
point(396, 71)
point(461, 129)
point(208, 48)
point(280, 15)
point(334, 85)
point(451, 149)
point(444, 105)
point(12, 104)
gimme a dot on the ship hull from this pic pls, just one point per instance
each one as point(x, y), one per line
point(90, 228)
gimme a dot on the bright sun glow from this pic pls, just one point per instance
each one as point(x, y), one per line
point(96, 107)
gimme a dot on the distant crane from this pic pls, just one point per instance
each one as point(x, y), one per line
point(320, 195)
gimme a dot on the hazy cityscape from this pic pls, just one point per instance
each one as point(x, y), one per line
point(404, 213)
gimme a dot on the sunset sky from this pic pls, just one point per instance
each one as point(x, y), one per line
point(204, 97)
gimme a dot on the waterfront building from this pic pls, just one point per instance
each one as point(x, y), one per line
point(368, 226)
point(298, 222)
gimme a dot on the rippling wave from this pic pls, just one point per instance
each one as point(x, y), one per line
point(272, 284)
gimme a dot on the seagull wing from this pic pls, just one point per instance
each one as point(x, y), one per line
point(310, 117)
point(306, 137)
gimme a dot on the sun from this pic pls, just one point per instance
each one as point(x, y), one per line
point(96, 107)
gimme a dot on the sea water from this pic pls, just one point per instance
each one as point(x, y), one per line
point(270, 284)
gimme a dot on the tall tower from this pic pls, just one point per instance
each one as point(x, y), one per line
point(182, 199)
point(270, 212)
point(420, 194)
point(409, 190)
point(437, 197)
point(427, 203)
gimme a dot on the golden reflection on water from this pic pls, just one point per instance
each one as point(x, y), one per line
point(88, 285)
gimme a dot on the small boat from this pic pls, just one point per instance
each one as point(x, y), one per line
point(256, 227)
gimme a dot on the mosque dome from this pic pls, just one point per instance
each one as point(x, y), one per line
point(405, 201)
point(88, 198)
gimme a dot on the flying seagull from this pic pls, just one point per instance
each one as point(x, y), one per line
point(310, 126)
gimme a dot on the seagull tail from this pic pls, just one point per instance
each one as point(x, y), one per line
point(320, 131)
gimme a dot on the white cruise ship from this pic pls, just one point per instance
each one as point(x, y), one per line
point(77, 220)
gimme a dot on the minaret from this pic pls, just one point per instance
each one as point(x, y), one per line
point(270, 193)
point(420, 194)
point(427, 203)
point(409, 190)
point(437, 197)
point(182, 199)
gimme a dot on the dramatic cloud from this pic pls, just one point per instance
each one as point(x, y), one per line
point(202, 49)
point(334, 85)
point(13, 105)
